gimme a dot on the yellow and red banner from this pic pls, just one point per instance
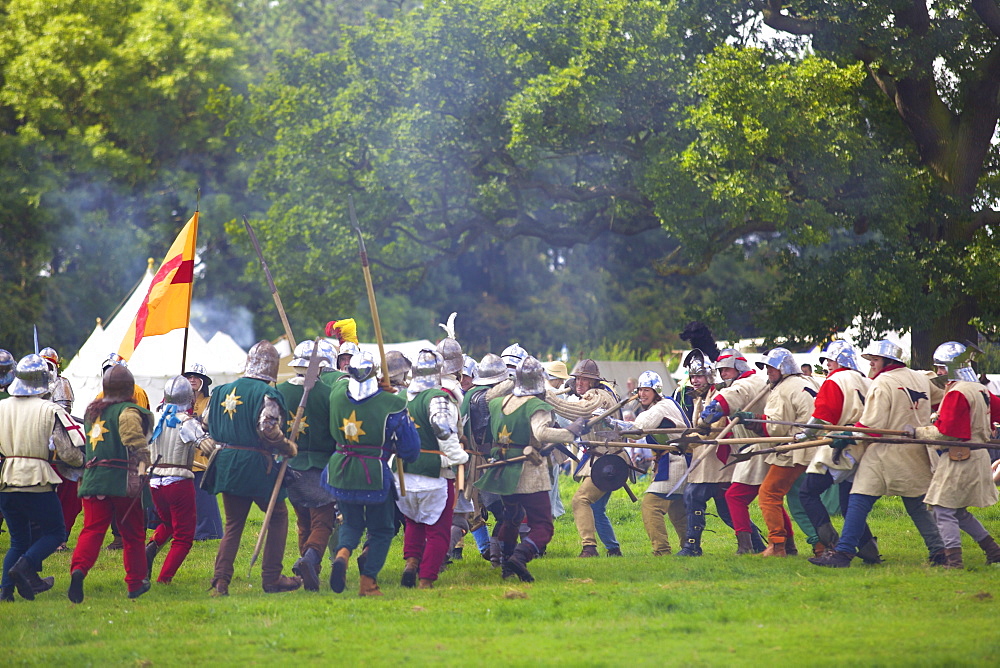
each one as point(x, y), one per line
point(168, 302)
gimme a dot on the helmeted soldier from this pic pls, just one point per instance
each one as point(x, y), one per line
point(200, 382)
point(430, 481)
point(790, 400)
point(399, 369)
point(117, 436)
point(175, 439)
point(452, 364)
point(247, 419)
point(315, 507)
point(469, 366)
point(840, 400)
point(368, 425)
point(59, 386)
point(520, 424)
point(209, 523)
point(589, 501)
point(344, 354)
point(665, 495)
point(28, 423)
point(114, 359)
point(7, 365)
point(898, 397)
point(962, 477)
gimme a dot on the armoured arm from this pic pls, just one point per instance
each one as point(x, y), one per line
point(809, 433)
point(64, 447)
point(269, 429)
point(443, 414)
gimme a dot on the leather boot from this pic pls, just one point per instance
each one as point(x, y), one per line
point(7, 594)
point(587, 551)
point(953, 558)
point(518, 562)
point(496, 552)
point(615, 552)
point(828, 535)
point(992, 550)
point(938, 558)
point(115, 544)
point(43, 584)
point(774, 550)
point(790, 548)
point(151, 550)
point(832, 559)
point(143, 588)
point(338, 574)
point(691, 548)
point(219, 588)
point(75, 591)
point(695, 527)
point(869, 552)
point(307, 568)
point(409, 578)
point(744, 543)
point(425, 583)
point(818, 549)
point(282, 584)
point(369, 587)
point(20, 573)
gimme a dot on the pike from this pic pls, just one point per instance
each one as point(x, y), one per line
point(693, 441)
point(312, 374)
point(384, 382)
point(972, 445)
point(270, 283)
point(746, 456)
point(832, 427)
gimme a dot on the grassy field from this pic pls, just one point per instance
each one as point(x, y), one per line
point(636, 610)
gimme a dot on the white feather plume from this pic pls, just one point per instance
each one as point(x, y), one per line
point(449, 329)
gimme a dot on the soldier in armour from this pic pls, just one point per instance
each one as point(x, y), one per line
point(209, 521)
point(247, 418)
point(28, 423)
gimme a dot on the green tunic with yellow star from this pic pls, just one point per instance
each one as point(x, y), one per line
point(359, 427)
point(106, 457)
point(315, 442)
point(247, 467)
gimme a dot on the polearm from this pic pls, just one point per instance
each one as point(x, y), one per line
point(670, 447)
point(312, 373)
point(270, 282)
point(376, 323)
point(744, 456)
point(832, 427)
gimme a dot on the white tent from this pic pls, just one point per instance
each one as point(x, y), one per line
point(156, 359)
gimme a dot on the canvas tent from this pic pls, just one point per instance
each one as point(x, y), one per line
point(157, 359)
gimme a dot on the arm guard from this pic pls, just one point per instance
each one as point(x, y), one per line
point(269, 429)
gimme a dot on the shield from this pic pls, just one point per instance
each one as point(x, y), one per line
point(609, 472)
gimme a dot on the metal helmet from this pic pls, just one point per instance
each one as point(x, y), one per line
point(178, 391)
point(363, 381)
point(118, 384)
point(52, 357)
point(490, 371)
point(31, 377)
point(7, 365)
point(114, 359)
point(957, 358)
point(529, 378)
point(513, 354)
point(733, 359)
point(426, 371)
point(399, 365)
point(841, 352)
point(62, 393)
point(451, 353)
point(884, 348)
point(651, 379)
point(697, 363)
point(262, 362)
point(468, 366)
point(198, 371)
point(782, 360)
point(304, 352)
point(586, 369)
point(347, 348)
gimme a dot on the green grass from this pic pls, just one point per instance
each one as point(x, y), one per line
point(638, 610)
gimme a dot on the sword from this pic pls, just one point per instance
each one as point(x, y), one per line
point(36, 338)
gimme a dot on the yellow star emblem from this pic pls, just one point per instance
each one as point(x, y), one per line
point(230, 403)
point(97, 432)
point(504, 435)
point(352, 428)
point(303, 425)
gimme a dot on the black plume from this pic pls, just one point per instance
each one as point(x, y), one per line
point(701, 337)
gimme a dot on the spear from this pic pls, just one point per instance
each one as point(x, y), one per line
point(384, 382)
point(270, 283)
point(831, 427)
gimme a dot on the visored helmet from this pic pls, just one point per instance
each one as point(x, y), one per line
point(652, 380)
point(31, 377)
point(698, 364)
point(363, 381)
point(491, 370)
point(529, 378)
point(262, 362)
point(178, 391)
point(426, 371)
point(884, 348)
point(513, 354)
point(841, 352)
point(733, 359)
point(957, 358)
point(7, 365)
point(782, 360)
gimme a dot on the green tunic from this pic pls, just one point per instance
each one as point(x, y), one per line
point(106, 457)
point(511, 435)
point(246, 468)
point(429, 461)
point(464, 410)
point(359, 428)
point(315, 442)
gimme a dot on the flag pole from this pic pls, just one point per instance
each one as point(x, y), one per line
point(184, 350)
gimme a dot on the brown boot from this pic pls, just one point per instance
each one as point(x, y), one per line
point(790, 548)
point(818, 549)
point(589, 551)
point(991, 549)
point(369, 587)
point(774, 550)
point(953, 557)
point(409, 578)
point(744, 544)
point(338, 574)
point(219, 588)
point(282, 584)
point(425, 584)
